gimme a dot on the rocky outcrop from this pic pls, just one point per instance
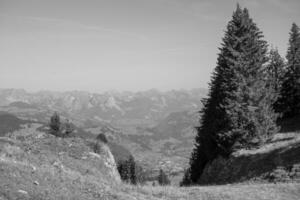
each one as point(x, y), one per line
point(278, 162)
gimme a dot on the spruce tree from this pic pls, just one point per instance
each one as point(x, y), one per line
point(163, 178)
point(238, 74)
point(132, 171)
point(250, 107)
point(127, 170)
point(186, 180)
point(55, 124)
point(275, 70)
point(288, 103)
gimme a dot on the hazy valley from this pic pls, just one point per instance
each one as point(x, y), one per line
point(156, 127)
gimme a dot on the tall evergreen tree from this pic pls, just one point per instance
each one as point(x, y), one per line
point(289, 101)
point(235, 79)
point(275, 70)
point(250, 107)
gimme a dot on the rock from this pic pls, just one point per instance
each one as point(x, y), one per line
point(22, 191)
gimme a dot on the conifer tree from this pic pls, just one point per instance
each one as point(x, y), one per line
point(55, 124)
point(163, 178)
point(102, 137)
point(123, 170)
point(251, 106)
point(127, 170)
point(132, 171)
point(289, 100)
point(275, 70)
point(186, 180)
point(237, 77)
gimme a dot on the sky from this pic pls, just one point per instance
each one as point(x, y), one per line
point(133, 45)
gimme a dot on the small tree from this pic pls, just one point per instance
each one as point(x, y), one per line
point(127, 170)
point(68, 128)
point(132, 171)
point(163, 178)
point(140, 174)
point(55, 124)
point(124, 170)
point(186, 180)
point(102, 137)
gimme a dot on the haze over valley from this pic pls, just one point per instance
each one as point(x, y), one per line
point(156, 127)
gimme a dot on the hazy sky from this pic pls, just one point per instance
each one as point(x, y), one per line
point(99, 45)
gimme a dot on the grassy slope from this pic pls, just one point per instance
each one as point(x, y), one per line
point(9, 123)
point(276, 162)
point(34, 165)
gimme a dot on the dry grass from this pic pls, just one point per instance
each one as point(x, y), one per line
point(286, 191)
point(38, 166)
point(278, 141)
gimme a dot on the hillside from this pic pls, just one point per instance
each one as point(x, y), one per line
point(277, 161)
point(9, 123)
point(35, 165)
point(39, 165)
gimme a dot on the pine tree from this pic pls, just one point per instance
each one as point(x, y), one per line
point(251, 106)
point(102, 137)
point(163, 178)
point(132, 171)
point(186, 180)
point(140, 174)
point(237, 76)
point(55, 124)
point(275, 70)
point(289, 101)
point(123, 170)
point(127, 170)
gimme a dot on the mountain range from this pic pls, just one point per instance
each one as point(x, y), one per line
point(156, 127)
